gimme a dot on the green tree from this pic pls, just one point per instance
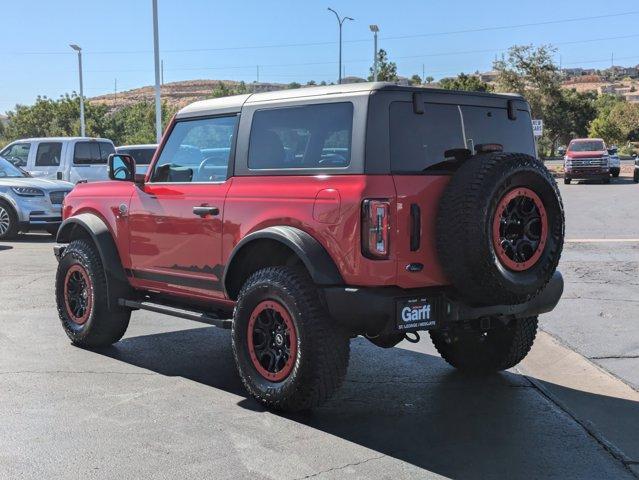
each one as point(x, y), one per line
point(429, 79)
point(620, 125)
point(135, 123)
point(386, 70)
point(415, 80)
point(293, 85)
point(470, 83)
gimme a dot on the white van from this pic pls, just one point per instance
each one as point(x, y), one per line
point(73, 159)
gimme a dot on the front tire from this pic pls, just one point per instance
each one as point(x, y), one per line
point(82, 298)
point(474, 351)
point(289, 355)
point(8, 222)
point(566, 181)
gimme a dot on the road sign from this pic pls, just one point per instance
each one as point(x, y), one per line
point(538, 127)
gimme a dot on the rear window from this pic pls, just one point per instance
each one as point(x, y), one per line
point(419, 141)
point(492, 125)
point(312, 136)
point(587, 146)
point(92, 153)
point(142, 156)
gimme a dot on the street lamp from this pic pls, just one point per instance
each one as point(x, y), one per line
point(156, 55)
point(79, 50)
point(374, 29)
point(341, 21)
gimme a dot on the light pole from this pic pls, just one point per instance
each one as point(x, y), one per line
point(156, 54)
point(341, 21)
point(374, 29)
point(79, 50)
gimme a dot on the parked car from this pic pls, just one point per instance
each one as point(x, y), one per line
point(142, 154)
point(302, 218)
point(635, 175)
point(72, 159)
point(28, 203)
point(587, 158)
point(614, 162)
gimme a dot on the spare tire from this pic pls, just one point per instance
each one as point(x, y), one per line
point(500, 228)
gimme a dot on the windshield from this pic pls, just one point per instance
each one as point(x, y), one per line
point(7, 170)
point(142, 156)
point(588, 146)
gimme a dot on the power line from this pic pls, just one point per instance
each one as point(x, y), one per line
point(324, 43)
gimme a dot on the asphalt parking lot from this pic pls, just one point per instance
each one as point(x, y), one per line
point(166, 402)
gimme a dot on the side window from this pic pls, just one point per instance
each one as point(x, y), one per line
point(418, 141)
point(86, 153)
point(18, 153)
point(312, 136)
point(197, 151)
point(48, 154)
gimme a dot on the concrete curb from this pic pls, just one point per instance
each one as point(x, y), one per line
point(588, 394)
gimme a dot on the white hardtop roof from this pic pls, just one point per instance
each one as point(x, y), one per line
point(60, 139)
point(233, 104)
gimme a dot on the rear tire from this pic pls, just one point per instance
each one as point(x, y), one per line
point(473, 351)
point(303, 367)
point(8, 221)
point(82, 298)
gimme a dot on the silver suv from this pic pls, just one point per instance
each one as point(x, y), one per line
point(28, 203)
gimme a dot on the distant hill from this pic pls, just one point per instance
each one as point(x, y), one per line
point(179, 94)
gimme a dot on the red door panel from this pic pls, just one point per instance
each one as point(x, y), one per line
point(173, 249)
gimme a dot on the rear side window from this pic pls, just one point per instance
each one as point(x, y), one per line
point(312, 136)
point(48, 154)
point(492, 125)
point(92, 153)
point(418, 141)
point(142, 156)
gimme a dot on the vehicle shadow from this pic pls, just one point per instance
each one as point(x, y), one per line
point(410, 406)
point(32, 238)
point(613, 181)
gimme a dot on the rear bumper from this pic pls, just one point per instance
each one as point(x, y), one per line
point(374, 310)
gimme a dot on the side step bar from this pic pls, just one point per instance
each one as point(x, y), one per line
point(176, 312)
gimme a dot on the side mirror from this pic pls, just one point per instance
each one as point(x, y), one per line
point(121, 167)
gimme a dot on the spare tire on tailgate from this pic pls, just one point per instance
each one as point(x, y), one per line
point(500, 228)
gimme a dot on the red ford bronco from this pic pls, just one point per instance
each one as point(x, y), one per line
point(300, 219)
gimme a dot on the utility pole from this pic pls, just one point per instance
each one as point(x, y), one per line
point(115, 93)
point(423, 73)
point(156, 58)
point(340, 21)
point(374, 29)
point(79, 50)
point(162, 72)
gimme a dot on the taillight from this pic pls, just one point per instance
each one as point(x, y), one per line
point(375, 228)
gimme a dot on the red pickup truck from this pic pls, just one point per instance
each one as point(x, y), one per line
point(587, 158)
point(303, 218)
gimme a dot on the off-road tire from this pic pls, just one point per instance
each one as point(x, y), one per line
point(103, 326)
point(635, 176)
point(472, 351)
point(616, 173)
point(465, 228)
point(567, 181)
point(10, 214)
point(606, 181)
point(322, 352)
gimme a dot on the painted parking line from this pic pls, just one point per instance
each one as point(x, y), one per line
point(602, 240)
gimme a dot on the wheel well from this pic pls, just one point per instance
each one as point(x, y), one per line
point(253, 256)
point(73, 231)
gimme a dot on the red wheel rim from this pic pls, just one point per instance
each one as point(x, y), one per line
point(78, 294)
point(272, 340)
point(520, 229)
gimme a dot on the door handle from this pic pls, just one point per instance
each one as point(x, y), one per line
point(205, 211)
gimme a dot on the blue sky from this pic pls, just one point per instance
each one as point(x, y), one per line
point(206, 39)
